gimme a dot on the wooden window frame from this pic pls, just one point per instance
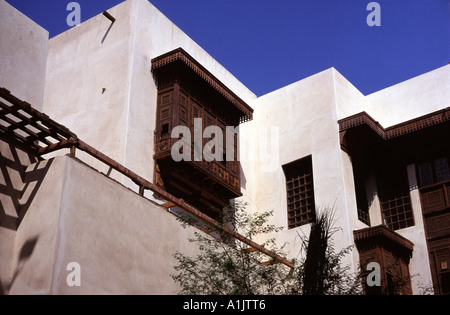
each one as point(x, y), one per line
point(395, 199)
point(300, 192)
point(433, 170)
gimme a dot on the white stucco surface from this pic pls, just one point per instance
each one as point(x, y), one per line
point(304, 114)
point(97, 81)
point(23, 55)
point(123, 243)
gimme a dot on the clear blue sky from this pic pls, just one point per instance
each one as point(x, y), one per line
point(268, 44)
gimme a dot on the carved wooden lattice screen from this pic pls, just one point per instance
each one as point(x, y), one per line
point(391, 252)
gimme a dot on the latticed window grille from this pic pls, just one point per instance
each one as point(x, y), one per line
point(394, 198)
point(397, 212)
point(300, 192)
point(435, 171)
point(363, 213)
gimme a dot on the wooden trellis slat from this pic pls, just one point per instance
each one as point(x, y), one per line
point(31, 127)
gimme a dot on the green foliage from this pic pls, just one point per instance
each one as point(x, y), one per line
point(225, 266)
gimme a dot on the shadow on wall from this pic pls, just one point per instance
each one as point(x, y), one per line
point(21, 175)
point(18, 183)
point(25, 254)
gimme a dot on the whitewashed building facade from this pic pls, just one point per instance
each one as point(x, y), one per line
point(123, 80)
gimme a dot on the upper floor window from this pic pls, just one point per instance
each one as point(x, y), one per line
point(434, 171)
point(300, 192)
point(394, 196)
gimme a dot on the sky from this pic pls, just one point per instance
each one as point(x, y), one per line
point(268, 44)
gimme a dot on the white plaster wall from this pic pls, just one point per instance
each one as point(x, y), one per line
point(23, 55)
point(13, 162)
point(406, 100)
point(35, 243)
point(87, 58)
point(124, 243)
point(305, 115)
point(349, 100)
point(23, 59)
point(82, 62)
point(412, 98)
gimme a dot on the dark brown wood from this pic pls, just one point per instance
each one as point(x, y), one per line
point(398, 130)
point(189, 94)
point(392, 252)
point(383, 234)
point(69, 143)
point(436, 213)
point(31, 127)
point(37, 115)
point(109, 16)
point(73, 150)
point(168, 205)
point(181, 55)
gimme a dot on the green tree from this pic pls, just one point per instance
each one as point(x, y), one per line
point(227, 266)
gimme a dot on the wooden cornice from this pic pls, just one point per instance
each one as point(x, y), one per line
point(381, 235)
point(181, 55)
point(398, 130)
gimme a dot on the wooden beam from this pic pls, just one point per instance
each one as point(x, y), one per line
point(109, 16)
point(208, 230)
point(57, 146)
point(34, 113)
point(168, 204)
point(197, 188)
